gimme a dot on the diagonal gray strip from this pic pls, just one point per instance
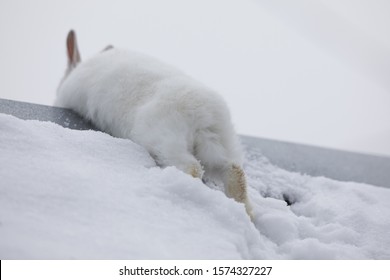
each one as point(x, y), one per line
point(314, 161)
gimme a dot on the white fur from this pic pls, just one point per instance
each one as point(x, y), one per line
point(178, 120)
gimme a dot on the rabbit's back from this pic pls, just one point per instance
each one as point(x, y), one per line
point(114, 87)
point(112, 76)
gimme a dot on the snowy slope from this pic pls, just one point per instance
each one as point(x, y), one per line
point(68, 194)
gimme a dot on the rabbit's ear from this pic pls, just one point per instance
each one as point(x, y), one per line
point(72, 50)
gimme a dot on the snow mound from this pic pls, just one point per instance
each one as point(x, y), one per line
point(327, 219)
point(68, 194)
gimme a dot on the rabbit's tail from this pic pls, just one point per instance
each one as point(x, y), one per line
point(73, 53)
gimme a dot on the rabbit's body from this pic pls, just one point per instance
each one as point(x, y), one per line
point(179, 121)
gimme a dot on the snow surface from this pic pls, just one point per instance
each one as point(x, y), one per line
point(67, 194)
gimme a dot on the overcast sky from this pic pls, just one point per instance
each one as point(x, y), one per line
point(313, 72)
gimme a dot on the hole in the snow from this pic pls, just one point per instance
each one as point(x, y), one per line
point(289, 200)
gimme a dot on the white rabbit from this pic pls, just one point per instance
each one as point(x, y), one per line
point(178, 120)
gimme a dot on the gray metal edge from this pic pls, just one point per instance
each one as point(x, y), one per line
point(311, 160)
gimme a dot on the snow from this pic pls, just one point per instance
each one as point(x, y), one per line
point(67, 194)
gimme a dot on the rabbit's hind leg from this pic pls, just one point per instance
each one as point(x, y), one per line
point(222, 164)
point(167, 153)
point(186, 163)
point(236, 187)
